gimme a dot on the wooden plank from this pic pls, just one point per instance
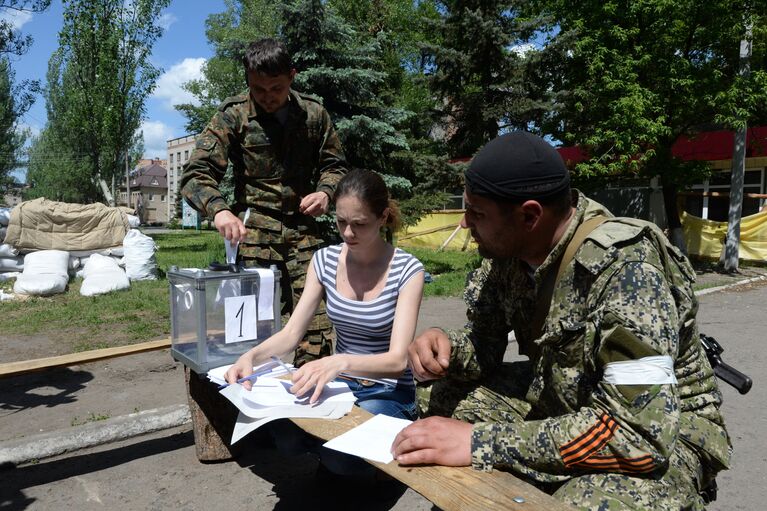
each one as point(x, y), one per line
point(83, 357)
point(449, 488)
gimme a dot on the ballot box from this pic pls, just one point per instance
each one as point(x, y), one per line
point(216, 316)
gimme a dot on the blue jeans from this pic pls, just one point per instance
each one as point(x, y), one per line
point(382, 399)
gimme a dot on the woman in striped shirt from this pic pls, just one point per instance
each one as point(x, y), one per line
point(373, 293)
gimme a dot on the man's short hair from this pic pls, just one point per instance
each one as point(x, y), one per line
point(268, 57)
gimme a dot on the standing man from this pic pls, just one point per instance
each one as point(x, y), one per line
point(618, 407)
point(287, 161)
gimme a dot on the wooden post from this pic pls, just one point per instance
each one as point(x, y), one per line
point(213, 419)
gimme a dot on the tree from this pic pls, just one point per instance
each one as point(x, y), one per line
point(97, 84)
point(11, 41)
point(479, 72)
point(223, 74)
point(634, 76)
point(14, 102)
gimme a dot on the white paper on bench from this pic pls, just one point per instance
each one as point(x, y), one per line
point(370, 440)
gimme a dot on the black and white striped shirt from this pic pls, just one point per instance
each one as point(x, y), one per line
point(364, 327)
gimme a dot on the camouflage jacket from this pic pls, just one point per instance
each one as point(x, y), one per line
point(626, 295)
point(274, 166)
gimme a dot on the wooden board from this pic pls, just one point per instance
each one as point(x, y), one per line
point(450, 488)
point(41, 364)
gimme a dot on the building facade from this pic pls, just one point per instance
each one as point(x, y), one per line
point(179, 151)
point(148, 193)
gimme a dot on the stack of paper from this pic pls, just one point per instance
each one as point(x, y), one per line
point(271, 369)
point(270, 400)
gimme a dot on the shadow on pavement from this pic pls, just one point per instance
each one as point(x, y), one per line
point(50, 388)
point(15, 480)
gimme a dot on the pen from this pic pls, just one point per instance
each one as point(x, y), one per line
point(266, 369)
point(283, 365)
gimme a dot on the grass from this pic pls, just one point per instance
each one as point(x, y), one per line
point(141, 313)
point(448, 269)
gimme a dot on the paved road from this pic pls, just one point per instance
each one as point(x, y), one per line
point(160, 471)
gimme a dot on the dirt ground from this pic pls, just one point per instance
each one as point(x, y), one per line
point(160, 471)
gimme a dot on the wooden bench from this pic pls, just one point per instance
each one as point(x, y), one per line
point(450, 488)
point(213, 419)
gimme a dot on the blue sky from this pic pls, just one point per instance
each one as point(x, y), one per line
point(180, 53)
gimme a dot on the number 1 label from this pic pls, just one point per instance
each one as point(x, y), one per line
point(240, 318)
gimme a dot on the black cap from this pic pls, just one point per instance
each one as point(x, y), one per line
point(517, 166)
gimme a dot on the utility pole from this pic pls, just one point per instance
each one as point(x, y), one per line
point(732, 242)
point(127, 180)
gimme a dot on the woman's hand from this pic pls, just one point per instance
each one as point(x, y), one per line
point(315, 374)
point(240, 369)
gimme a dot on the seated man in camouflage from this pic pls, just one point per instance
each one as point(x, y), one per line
point(618, 407)
point(287, 161)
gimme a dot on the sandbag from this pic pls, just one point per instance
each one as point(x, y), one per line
point(11, 263)
point(7, 250)
point(45, 273)
point(101, 275)
point(140, 261)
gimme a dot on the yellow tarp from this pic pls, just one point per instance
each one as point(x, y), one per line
point(434, 229)
point(706, 238)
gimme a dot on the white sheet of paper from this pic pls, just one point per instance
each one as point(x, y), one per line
point(370, 440)
point(337, 396)
point(231, 250)
point(239, 318)
point(265, 293)
point(245, 424)
point(269, 368)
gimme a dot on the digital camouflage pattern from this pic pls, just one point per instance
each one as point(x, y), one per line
point(626, 295)
point(274, 167)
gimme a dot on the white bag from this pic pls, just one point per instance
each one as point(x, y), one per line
point(140, 262)
point(133, 221)
point(102, 275)
point(11, 263)
point(45, 273)
point(7, 250)
point(5, 216)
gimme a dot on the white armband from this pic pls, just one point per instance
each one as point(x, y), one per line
point(656, 370)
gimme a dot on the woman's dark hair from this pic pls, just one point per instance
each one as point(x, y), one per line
point(370, 189)
point(268, 57)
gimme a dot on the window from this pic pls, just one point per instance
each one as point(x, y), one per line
point(171, 158)
point(151, 196)
point(162, 198)
point(178, 157)
point(186, 155)
point(718, 207)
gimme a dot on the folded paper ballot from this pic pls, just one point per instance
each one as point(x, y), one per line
point(371, 440)
point(270, 399)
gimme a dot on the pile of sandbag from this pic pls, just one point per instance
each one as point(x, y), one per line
point(47, 242)
point(10, 261)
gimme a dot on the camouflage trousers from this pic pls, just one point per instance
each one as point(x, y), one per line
point(293, 262)
point(500, 398)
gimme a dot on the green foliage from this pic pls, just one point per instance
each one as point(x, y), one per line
point(97, 84)
point(633, 77)
point(14, 102)
point(479, 72)
point(228, 33)
point(12, 41)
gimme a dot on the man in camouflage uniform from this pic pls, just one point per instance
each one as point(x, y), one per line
point(287, 161)
point(618, 407)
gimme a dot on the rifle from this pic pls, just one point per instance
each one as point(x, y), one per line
point(729, 374)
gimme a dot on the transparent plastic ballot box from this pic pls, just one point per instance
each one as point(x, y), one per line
point(216, 316)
